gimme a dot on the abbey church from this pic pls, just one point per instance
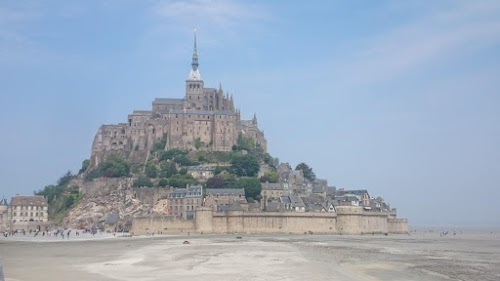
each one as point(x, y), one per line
point(204, 119)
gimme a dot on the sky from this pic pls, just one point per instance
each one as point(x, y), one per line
point(397, 97)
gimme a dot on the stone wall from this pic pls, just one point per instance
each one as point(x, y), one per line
point(162, 224)
point(347, 220)
point(397, 225)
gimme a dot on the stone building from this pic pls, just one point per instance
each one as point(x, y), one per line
point(182, 202)
point(220, 199)
point(4, 218)
point(271, 190)
point(205, 119)
point(28, 212)
point(201, 173)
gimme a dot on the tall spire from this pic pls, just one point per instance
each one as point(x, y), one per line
point(194, 64)
point(194, 74)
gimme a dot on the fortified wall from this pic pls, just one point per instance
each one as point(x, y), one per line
point(347, 220)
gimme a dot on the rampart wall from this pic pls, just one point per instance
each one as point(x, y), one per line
point(397, 225)
point(347, 220)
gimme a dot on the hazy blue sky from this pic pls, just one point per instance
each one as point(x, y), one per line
point(398, 97)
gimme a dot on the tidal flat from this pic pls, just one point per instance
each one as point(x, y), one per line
point(421, 256)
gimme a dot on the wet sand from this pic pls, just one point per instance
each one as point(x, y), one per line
point(424, 256)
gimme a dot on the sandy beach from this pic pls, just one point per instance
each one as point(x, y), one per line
point(421, 256)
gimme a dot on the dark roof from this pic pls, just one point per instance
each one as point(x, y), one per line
point(3, 202)
point(200, 168)
point(273, 206)
point(314, 207)
point(202, 112)
point(296, 201)
point(228, 191)
point(141, 112)
point(168, 101)
point(34, 200)
point(271, 186)
point(358, 192)
point(189, 191)
point(331, 190)
point(285, 200)
point(234, 207)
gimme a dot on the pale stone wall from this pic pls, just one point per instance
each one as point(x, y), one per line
point(347, 220)
point(397, 225)
point(162, 224)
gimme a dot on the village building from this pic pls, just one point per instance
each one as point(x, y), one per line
point(220, 199)
point(4, 215)
point(272, 190)
point(182, 202)
point(201, 173)
point(28, 212)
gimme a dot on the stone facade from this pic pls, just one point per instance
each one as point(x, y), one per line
point(24, 213)
point(4, 215)
point(201, 173)
point(204, 119)
point(182, 202)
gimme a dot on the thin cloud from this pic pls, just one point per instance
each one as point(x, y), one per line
point(212, 18)
point(441, 35)
point(222, 13)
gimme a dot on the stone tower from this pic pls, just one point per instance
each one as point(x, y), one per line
point(194, 84)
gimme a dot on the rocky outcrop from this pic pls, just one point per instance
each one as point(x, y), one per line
point(103, 197)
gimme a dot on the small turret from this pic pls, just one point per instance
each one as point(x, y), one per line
point(254, 120)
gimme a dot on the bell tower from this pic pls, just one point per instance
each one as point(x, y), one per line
point(194, 84)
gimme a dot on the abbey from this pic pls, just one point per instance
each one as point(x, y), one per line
point(205, 118)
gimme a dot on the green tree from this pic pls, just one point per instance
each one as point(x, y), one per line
point(245, 143)
point(151, 170)
point(245, 165)
point(161, 144)
point(171, 154)
point(216, 182)
point(184, 161)
point(198, 143)
point(114, 167)
point(181, 181)
point(271, 177)
point(68, 201)
point(183, 171)
point(96, 173)
point(143, 181)
point(85, 165)
point(163, 182)
point(229, 180)
point(252, 187)
point(308, 171)
point(172, 170)
point(65, 179)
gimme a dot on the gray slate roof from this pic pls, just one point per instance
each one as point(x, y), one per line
point(271, 186)
point(200, 168)
point(273, 206)
point(228, 191)
point(231, 207)
point(34, 200)
point(190, 191)
point(168, 101)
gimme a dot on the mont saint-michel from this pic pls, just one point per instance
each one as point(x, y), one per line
point(192, 165)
